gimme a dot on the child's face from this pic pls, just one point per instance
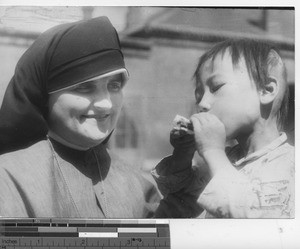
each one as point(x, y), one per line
point(229, 93)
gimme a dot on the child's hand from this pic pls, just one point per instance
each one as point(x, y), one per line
point(181, 140)
point(184, 150)
point(209, 132)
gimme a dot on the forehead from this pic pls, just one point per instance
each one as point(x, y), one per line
point(119, 76)
point(96, 81)
point(222, 65)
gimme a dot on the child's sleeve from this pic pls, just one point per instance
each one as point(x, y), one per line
point(270, 194)
point(180, 190)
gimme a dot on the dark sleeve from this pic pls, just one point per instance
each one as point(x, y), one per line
point(180, 190)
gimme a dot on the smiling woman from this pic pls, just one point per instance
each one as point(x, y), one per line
point(83, 115)
point(58, 112)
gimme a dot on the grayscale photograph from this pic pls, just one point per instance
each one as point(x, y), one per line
point(135, 112)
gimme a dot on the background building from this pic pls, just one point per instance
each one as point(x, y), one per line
point(161, 48)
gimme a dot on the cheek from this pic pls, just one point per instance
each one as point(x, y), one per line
point(117, 102)
point(239, 113)
point(228, 107)
point(66, 107)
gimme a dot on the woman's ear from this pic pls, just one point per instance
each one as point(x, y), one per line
point(269, 93)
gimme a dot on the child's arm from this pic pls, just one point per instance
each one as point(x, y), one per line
point(183, 153)
point(230, 193)
point(179, 183)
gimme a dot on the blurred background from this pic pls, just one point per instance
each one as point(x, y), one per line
point(161, 46)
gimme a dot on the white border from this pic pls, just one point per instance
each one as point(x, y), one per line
point(244, 3)
point(211, 234)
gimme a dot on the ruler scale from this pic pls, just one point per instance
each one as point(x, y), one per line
point(84, 234)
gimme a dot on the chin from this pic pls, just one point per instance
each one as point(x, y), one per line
point(230, 135)
point(95, 140)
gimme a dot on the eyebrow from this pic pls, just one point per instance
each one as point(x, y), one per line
point(211, 78)
point(117, 77)
point(86, 82)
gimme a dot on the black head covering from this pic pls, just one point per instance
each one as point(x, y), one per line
point(60, 57)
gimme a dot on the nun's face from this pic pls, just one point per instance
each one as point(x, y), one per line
point(84, 115)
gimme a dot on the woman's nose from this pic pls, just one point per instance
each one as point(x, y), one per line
point(103, 101)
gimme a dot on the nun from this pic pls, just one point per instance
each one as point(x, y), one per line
point(57, 115)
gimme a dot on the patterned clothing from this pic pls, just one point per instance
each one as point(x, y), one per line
point(261, 187)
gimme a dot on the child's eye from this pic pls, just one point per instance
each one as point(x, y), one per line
point(84, 88)
point(215, 88)
point(114, 86)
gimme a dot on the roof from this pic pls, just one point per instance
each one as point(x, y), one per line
point(216, 24)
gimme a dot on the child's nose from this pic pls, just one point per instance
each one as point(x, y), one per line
point(204, 105)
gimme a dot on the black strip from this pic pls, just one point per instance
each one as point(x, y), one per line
point(21, 234)
point(163, 232)
point(41, 224)
point(19, 229)
point(137, 225)
point(137, 235)
point(76, 225)
point(24, 224)
point(94, 225)
point(60, 224)
point(8, 224)
point(58, 235)
point(228, 7)
point(162, 225)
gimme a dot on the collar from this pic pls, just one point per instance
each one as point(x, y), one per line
point(265, 150)
point(92, 162)
point(68, 153)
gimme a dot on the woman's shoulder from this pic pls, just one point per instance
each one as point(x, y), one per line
point(30, 156)
point(131, 170)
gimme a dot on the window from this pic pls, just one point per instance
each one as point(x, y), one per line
point(126, 135)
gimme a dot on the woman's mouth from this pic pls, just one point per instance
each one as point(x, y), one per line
point(98, 117)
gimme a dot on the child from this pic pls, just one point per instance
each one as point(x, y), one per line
point(242, 94)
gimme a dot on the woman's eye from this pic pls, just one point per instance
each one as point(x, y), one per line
point(114, 86)
point(84, 88)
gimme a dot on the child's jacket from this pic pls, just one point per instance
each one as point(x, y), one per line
point(261, 185)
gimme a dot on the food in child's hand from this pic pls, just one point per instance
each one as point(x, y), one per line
point(181, 123)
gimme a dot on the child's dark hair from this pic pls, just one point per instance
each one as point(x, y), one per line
point(259, 58)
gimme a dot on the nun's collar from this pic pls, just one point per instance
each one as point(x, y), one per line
point(66, 152)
